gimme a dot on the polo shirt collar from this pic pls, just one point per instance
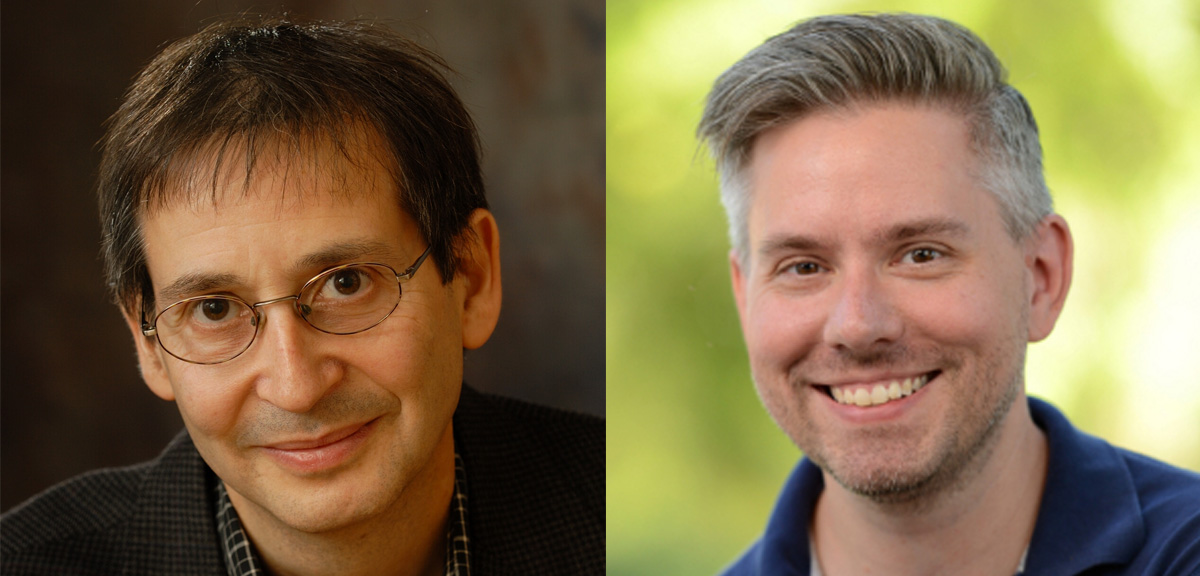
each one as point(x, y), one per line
point(1090, 514)
point(784, 545)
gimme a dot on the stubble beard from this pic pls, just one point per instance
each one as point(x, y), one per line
point(959, 459)
point(956, 458)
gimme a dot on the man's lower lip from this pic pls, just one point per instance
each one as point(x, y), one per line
point(321, 458)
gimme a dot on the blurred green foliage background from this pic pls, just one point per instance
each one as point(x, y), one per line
point(694, 462)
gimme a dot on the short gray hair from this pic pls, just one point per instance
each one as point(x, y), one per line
point(836, 62)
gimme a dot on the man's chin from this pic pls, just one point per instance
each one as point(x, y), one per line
point(335, 505)
point(887, 487)
point(325, 519)
point(890, 475)
point(900, 473)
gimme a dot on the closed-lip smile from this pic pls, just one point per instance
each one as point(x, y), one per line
point(324, 453)
point(323, 440)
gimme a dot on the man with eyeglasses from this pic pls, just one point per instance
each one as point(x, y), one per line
point(296, 231)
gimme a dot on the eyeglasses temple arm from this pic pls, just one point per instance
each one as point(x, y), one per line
point(413, 269)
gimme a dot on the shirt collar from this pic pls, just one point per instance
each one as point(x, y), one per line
point(1090, 513)
point(241, 559)
point(781, 550)
point(458, 555)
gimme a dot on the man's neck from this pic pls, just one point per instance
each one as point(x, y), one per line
point(980, 526)
point(409, 538)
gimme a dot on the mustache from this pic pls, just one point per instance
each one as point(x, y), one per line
point(341, 406)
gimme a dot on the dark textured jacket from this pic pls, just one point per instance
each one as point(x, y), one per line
point(535, 482)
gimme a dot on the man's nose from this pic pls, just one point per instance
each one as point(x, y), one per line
point(862, 316)
point(293, 374)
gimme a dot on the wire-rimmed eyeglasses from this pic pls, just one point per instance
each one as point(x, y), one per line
point(345, 299)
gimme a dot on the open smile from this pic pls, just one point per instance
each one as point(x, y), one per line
point(871, 394)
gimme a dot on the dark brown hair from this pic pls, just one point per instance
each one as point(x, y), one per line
point(248, 88)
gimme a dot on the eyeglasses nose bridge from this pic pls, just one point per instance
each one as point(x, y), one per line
point(296, 297)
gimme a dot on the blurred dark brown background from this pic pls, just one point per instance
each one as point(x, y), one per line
point(531, 72)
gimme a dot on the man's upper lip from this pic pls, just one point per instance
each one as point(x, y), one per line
point(319, 441)
point(868, 378)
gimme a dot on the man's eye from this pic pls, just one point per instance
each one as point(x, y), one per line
point(806, 268)
point(214, 310)
point(347, 281)
point(922, 255)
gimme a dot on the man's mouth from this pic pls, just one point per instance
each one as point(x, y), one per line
point(878, 393)
point(319, 442)
point(310, 456)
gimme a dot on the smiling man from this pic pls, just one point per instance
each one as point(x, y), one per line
point(894, 251)
point(296, 231)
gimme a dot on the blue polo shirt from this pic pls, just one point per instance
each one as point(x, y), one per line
point(1105, 510)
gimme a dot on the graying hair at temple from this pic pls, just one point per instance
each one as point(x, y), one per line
point(840, 62)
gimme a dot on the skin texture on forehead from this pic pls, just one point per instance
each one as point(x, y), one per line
point(303, 161)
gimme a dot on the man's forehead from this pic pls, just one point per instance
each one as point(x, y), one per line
point(844, 137)
point(293, 168)
point(867, 172)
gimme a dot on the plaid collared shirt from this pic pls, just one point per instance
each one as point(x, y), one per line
point(242, 560)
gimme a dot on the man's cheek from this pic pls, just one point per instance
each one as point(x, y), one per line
point(779, 336)
point(207, 412)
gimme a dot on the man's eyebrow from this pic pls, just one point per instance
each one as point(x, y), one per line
point(199, 282)
point(897, 233)
point(789, 243)
point(195, 283)
point(924, 227)
point(343, 252)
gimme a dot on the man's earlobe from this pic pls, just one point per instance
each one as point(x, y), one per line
point(1049, 259)
point(480, 268)
point(154, 373)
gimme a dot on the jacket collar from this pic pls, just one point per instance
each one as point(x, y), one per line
point(535, 499)
point(173, 528)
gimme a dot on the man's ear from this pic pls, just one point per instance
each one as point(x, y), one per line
point(737, 275)
point(1049, 258)
point(154, 372)
point(480, 268)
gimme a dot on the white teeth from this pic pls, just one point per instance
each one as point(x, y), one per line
point(880, 393)
point(862, 397)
